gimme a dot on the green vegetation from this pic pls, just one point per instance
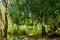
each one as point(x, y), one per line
point(31, 18)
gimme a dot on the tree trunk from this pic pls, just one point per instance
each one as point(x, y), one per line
point(54, 25)
point(43, 26)
point(6, 21)
point(6, 26)
point(0, 25)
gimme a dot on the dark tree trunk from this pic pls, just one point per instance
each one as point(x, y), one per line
point(43, 26)
point(54, 23)
point(6, 26)
point(6, 21)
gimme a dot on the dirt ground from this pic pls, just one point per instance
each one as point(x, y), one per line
point(44, 38)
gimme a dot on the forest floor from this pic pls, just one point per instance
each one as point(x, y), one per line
point(42, 38)
point(56, 37)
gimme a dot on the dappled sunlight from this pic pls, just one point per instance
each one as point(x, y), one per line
point(30, 19)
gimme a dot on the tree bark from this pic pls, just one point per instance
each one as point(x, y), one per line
point(54, 25)
point(6, 21)
point(43, 26)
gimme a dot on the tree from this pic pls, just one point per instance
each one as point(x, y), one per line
point(6, 21)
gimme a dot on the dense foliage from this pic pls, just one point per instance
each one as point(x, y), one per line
point(33, 17)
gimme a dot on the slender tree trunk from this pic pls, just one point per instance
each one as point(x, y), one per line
point(0, 25)
point(54, 23)
point(43, 26)
point(6, 21)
